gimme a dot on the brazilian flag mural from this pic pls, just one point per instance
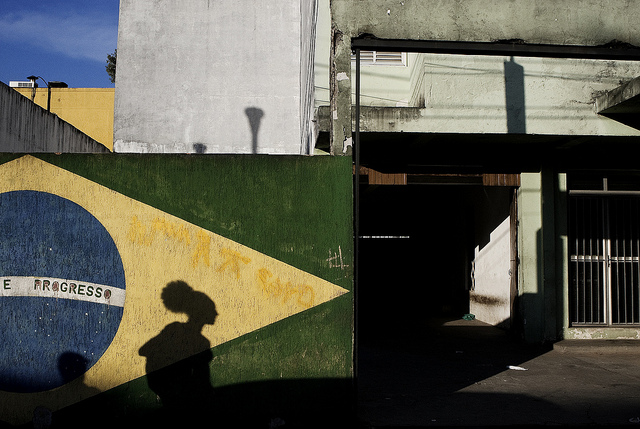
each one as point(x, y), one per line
point(175, 288)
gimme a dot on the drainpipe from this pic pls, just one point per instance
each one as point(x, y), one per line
point(356, 211)
point(34, 85)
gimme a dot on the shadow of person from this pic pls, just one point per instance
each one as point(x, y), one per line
point(178, 358)
point(72, 366)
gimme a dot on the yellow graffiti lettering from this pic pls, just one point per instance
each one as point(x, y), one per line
point(269, 287)
point(202, 251)
point(306, 296)
point(305, 293)
point(232, 261)
point(143, 235)
point(138, 233)
point(172, 230)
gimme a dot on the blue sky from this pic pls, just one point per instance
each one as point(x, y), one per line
point(60, 40)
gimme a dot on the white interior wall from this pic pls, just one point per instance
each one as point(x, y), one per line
point(490, 294)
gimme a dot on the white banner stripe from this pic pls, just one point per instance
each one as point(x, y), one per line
point(47, 287)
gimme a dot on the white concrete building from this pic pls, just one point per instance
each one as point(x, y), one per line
point(198, 76)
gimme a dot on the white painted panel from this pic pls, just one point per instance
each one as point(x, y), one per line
point(490, 297)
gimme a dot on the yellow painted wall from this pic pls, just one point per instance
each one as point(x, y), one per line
point(88, 109)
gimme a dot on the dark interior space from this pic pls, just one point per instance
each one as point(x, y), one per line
point(416, 250)
point(413, 255)
point(415, 349)
point(416, 355)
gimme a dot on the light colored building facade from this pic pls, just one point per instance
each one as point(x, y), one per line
point(231, 77)
point(508, 96)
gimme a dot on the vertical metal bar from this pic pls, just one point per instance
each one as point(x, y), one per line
point(636, 284)
point(594, 257)
point(573, 202)
point(615, 258)
point(619, 277)
point(585, 278)
point(624, 256)
point(636, 264)
point(625, 273)
point(632, 280)
point(599, 276)
point(356, 217)
point(579, 264)
point(592, 305)
point(584, 271)
point(619, 271)
point(596, 262)
point(607, 252)
point(574, 317)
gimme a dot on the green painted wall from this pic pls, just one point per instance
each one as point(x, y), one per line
point(542, 251)
point(295, 209)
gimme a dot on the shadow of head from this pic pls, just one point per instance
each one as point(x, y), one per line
point(179, 297)
point(72, 365)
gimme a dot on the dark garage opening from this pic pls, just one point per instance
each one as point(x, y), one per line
point(416, 251)
point(415, 347)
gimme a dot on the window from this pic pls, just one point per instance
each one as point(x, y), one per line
point(379, 58)
point(604, 246)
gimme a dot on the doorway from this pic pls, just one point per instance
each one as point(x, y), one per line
point(433, 251)
point(434, 262)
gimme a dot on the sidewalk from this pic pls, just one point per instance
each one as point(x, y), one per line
point(468, 374)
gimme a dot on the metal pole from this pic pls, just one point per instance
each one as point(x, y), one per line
point(356, 211)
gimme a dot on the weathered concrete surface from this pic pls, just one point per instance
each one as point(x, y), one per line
point(579, 22)
point(461, 373)
point(623, 99)
point(575, 22)
point(26, 127)
point(476, 94)
point(622, 103)
point(214, 77)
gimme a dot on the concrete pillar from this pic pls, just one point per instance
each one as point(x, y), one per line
point(530, 272)
point(542, 242)
point(340, 90)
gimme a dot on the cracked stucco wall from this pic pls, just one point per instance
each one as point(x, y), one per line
point(575, 22)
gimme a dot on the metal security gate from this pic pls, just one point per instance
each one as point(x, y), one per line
point(604, 246)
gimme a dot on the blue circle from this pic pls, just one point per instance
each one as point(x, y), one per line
point(48, 342)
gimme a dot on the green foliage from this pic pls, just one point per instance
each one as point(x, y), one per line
point(111, 65)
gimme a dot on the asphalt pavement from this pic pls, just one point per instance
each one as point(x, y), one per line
point(461, 373)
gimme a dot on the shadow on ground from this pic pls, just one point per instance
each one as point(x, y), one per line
point(430, 376)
